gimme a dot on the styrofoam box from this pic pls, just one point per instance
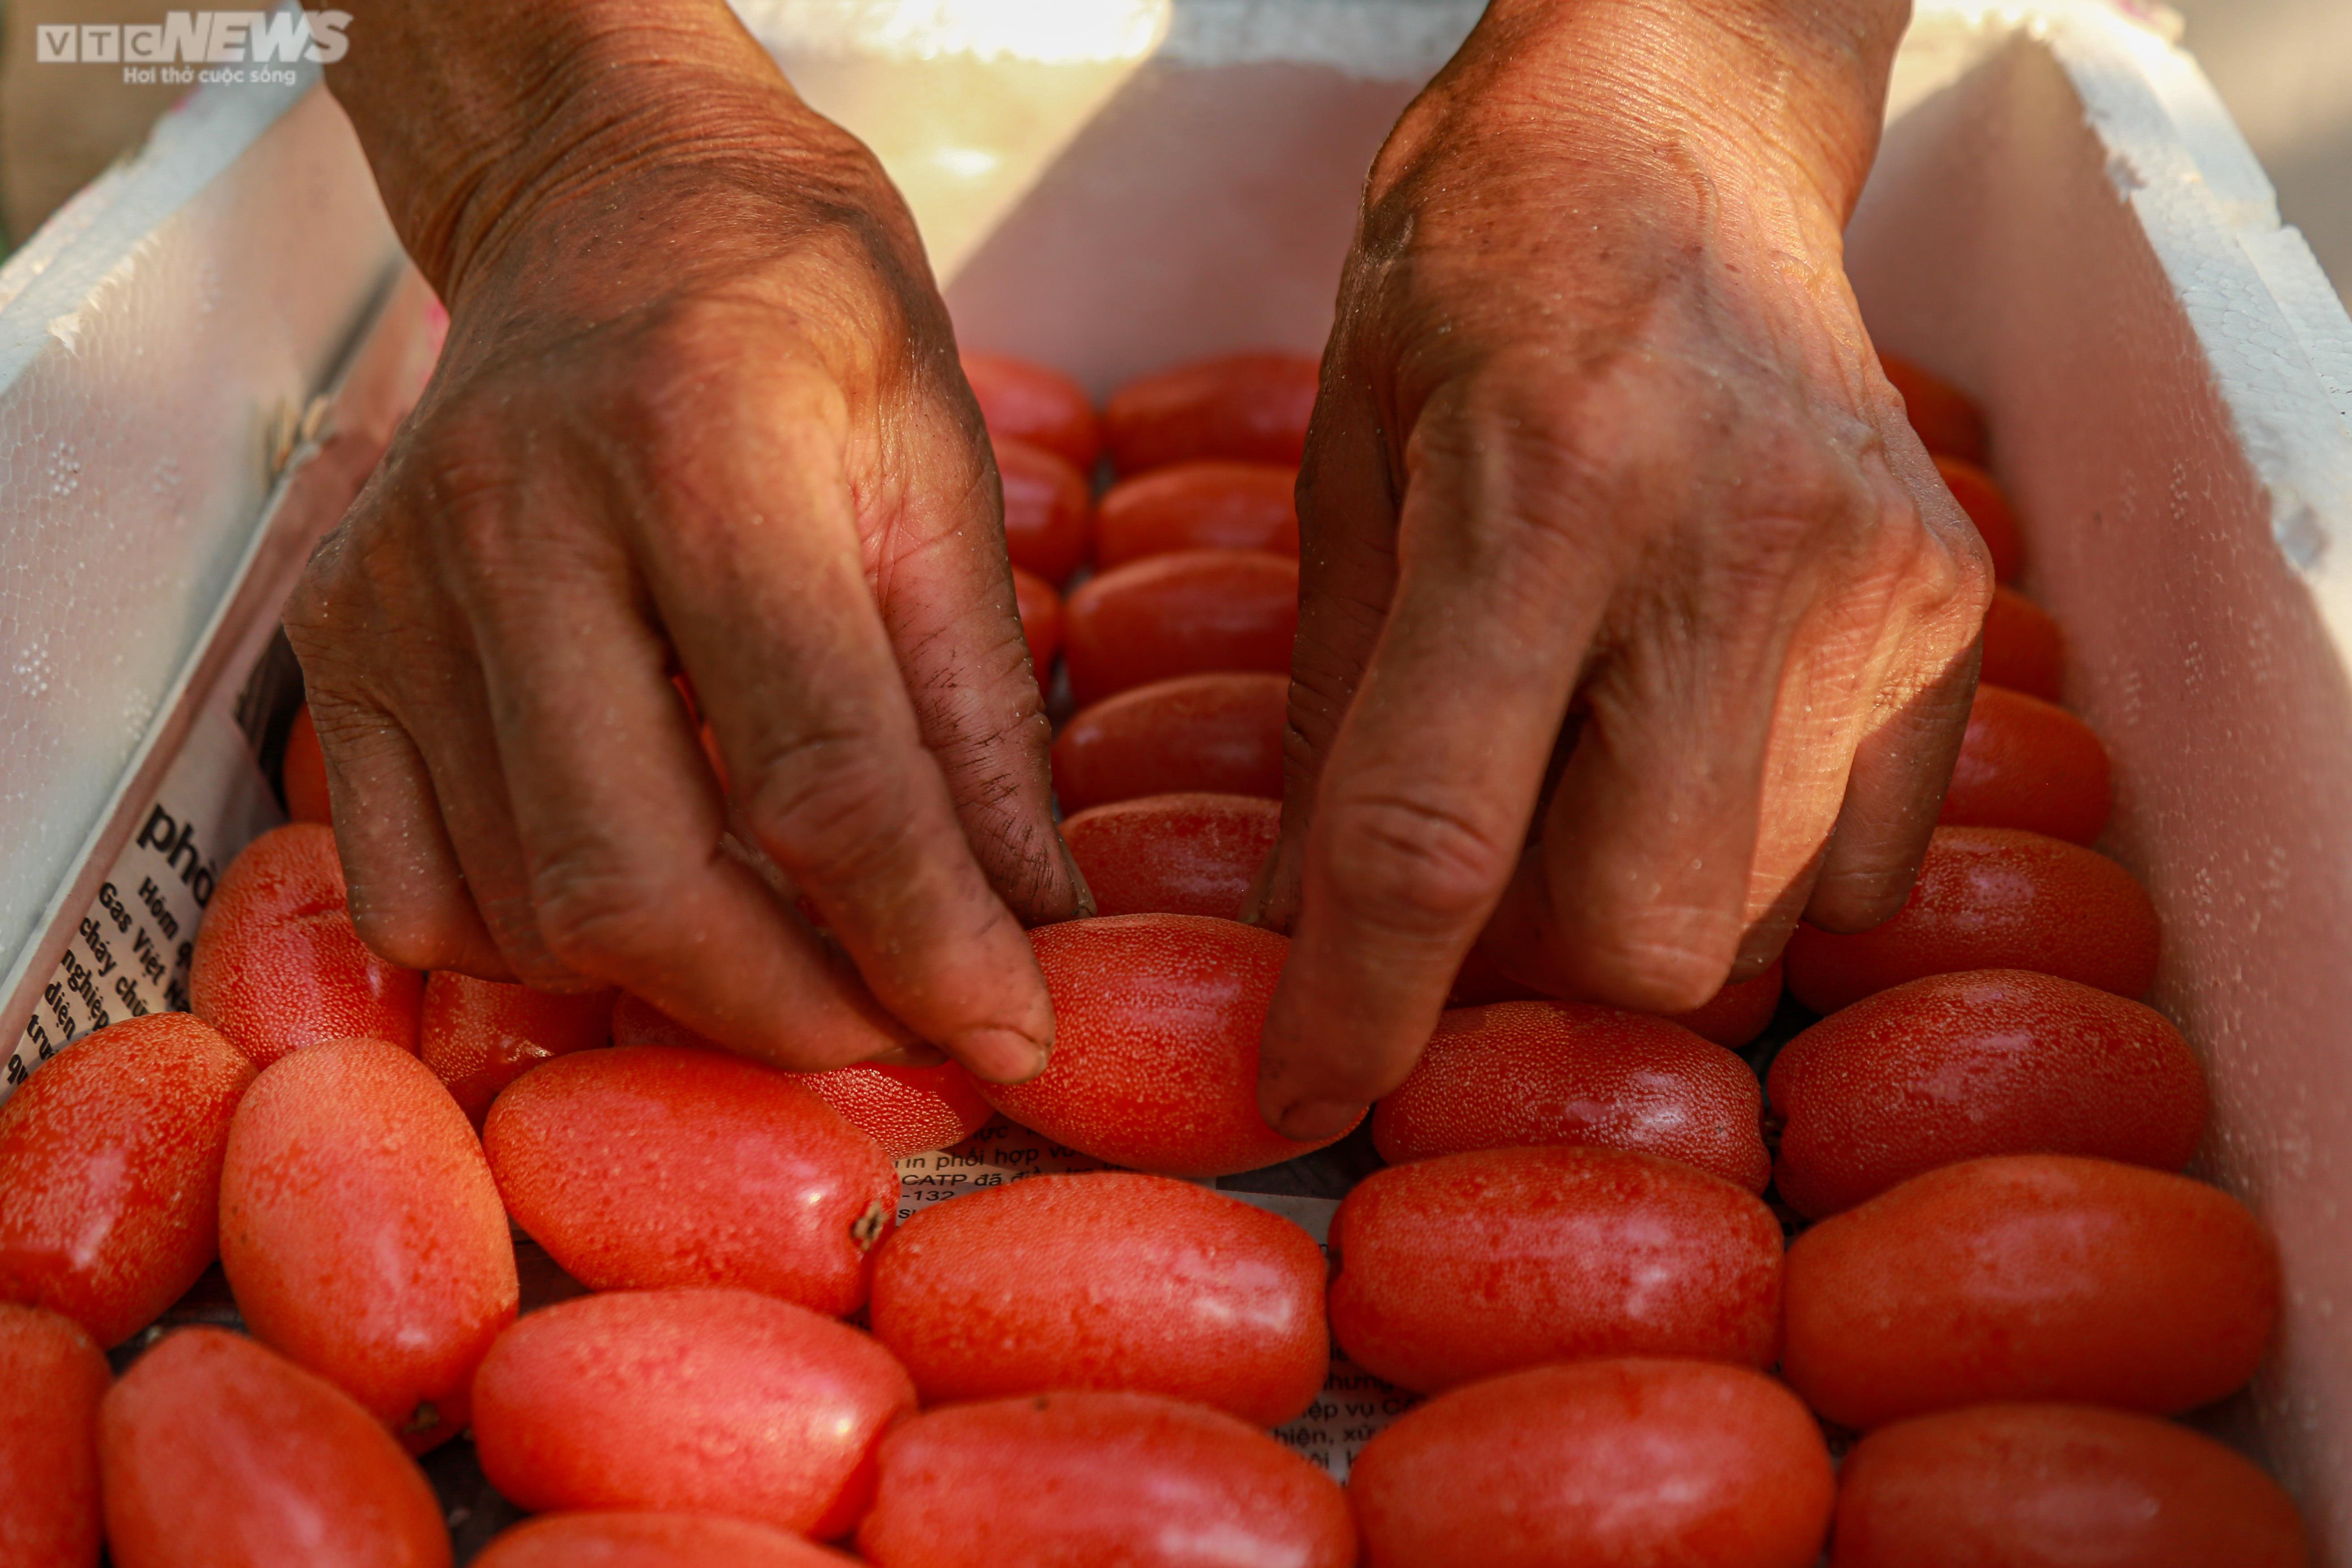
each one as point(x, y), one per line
point(201, 357)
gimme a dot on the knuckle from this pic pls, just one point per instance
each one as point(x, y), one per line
point(832, 807)
point(599, 912)
point(1420, 864)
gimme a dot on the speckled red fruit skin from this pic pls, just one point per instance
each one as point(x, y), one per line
point(1088, 1479)
point(51, 1379)
point(2057, 1486)
point(1200, 734)
point(1946, 419)
point(2029, 1276)
point(1108, 1280)
point(645, 1166)
point(720, 1402)
point(215, 1451)
point(1049, 514)
point(1199, 506)
point(1155, 1026)
point(2023, 648)
point(303, 771)
point(278, 965)
point(2029, 764)
point(1023, 401)
point(479, 1036)
point(110, 1164)
point(1532, 1073)
point(362, 1233)
point(1468, 1266)
point(651, 1541)
point(1602, 1464)
point(1244, 407)
point(1987, 507)
point(1989, 1061)
point(1739, 1013)
point(1040, 609)
point(1192, 612)
point(1991, 898)
point(1174, 854)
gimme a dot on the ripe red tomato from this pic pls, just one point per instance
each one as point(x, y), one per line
point(1174, 854)
point(2054, 1486)
point(1041, 620)
point(2023, 648)
point(1027, 402)
point(303, 772)
point(1991, 898)
point(1214, 733)
point(2030, 764)
point(1739, 1013)
point(1157, 1020)
point(687, 1402)
point(362, 1233)
point(110, 1162)
point(1107, 1280)
point(479, 1036)
point(51, 1379)
point(212, 1449)
point(1049, 514)
point(1533, 1073)
point(1989, 1061)
point(1987, 507)
point(1604, 1464)
point(1199, 506)
point(1195, 611)
point(2029, 1276)
point(1946, 419)
point(651, 1541)
point(1245, 407)
point(278, 965)
point(1466, 1266)
point(731, 1173)
point(1083, 1480)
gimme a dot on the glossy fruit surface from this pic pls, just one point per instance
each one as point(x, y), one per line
point(1987, 507)
point(1606, 1464)
point(1174, 854)
point(1245, 407)
point(1025, 401)
point(110, 1172)
point(1988, 1061)
point(1533, 1073)
point(304, 771)
point(1467, 1266)
point(1203, 733)
point(1198, 506)
point(718, 1402)
point(730, 1173)
point(2057, 1486)
point(51, 1379)
point(362, 1233)
point(1157, 1020)
point(2029, 1276)
point(1049, 514)
point(1108, 1280)
point(1739, 1013)
point(278, 965)
point(2030, 764)
point(1991, 898)
point(1194, 612)
point(2023, 648)
point(218, 1453)
point(1041, 620)
point(651, 1541)
point(1946, 419)
point(479, 1036)
point(1088, 1481)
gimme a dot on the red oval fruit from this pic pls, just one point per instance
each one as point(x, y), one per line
point(1174, 854)
point(278, 965)
point(1083, 1480)
point(1157, 1020)
point(479, 1036)
point(1535, 1073)
point(1607, 1464)
point(51, 1379)
point(1991, 898)
point(212, 1444)
point(1108, 1280)
point(1739, 1013)
point(1027, 402)
point(1195, 611)
point(1244, 407)
point(2029, 1276)
point(1049, 523)
point(110, 1161)
point(1991, 1061)
point(1946, 419)
point(1987, 507)
point(730, 1173)
point(303, 772)
point(2023, 648)
point(651, 1541)
point(1041, 620)
point(1467, 1266)
point(687, 1402)
point(1219, 735)
point(1199, 506)
point(362, 1233)
point(2030, 764)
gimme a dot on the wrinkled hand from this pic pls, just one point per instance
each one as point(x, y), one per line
point(1635, 624)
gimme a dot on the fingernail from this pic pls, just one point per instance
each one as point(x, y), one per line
point(1078, 882)
point(1319, 1120)
point(1000, 1056)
